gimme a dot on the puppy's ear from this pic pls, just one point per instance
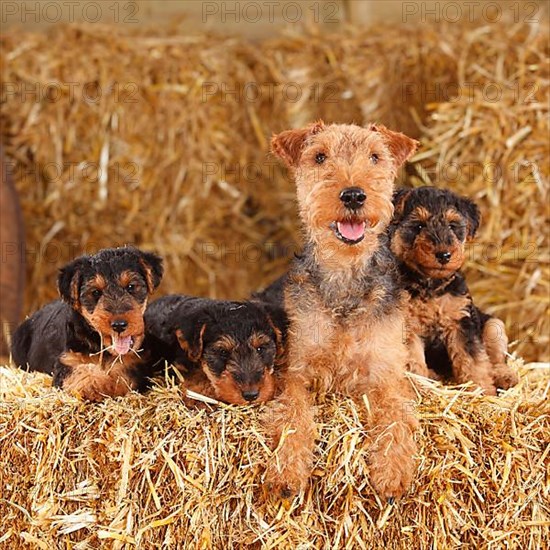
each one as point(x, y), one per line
point(401, 146)
point(191, 339)
point(288, 145)
point(153, 267)
point(278, 321)
point(399, 200)
point(471, 212)
point(69, 281)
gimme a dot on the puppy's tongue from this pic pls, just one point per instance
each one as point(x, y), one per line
point(351, 230)
point(122, 344)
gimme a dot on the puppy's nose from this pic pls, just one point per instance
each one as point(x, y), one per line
point(353, 197)
point(119, 325)
point(443, 257)
point(251, 395)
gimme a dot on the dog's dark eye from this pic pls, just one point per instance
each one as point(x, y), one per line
point(374, 158)
point(420, 226)
point(130, 288)
point(96, 293)
point(223, 354)
point(320, 158)
point(261, 349)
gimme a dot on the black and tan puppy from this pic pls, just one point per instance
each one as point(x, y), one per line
point(448, 333)
point(229, 351)
point(90, 339)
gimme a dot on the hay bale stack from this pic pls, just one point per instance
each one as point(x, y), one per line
point(365, 74)
point(491, 143)
point(174, 154)
point(146, 471)
point(144, 142)
point(162, 140)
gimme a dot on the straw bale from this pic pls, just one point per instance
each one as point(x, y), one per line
point(165, 158)
point(147, 472)
point(187, 166)
point(491, 143)
point(364, 74)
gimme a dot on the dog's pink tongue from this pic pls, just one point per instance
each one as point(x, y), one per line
point(122, 344)
point(351, 231)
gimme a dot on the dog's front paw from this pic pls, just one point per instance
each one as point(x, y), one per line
point(287, 482)
point(90, 394)
point(391, 460)
point(283, 490)
point(505, 378)
point(391, 476)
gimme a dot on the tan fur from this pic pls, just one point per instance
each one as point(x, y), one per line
point(423, 256)
point(437, 311)
point(225, 388)
point(102, 316)
point(74, 290)
point(445, 313)
point(338, 339)
point(101, 320)
point(421, 214)
point(194, 352)
point(495, 341)
point(453, 216)
point(259, 339)
point(92, 380)
point(148, 275)
point(127, 277)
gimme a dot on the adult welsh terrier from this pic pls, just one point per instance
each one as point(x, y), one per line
point(344, 304)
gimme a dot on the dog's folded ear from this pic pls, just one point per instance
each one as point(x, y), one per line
point(278, 321)
point(402, 147)
point(471, 212)
point(69, 281)
point(400, 197)
point(288, 145)
point(190, 337)
point(153, 267)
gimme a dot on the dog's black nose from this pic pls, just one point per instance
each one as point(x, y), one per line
point(353, 197)
point(443, 257)
point(251, 395)
point(119, 325)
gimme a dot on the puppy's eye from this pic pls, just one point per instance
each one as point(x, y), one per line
point(130, 288)
point(420, 226)
point(320, 158)
point(223, 354)
point(374, 158)
point(96, 293)
point(261, 349)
